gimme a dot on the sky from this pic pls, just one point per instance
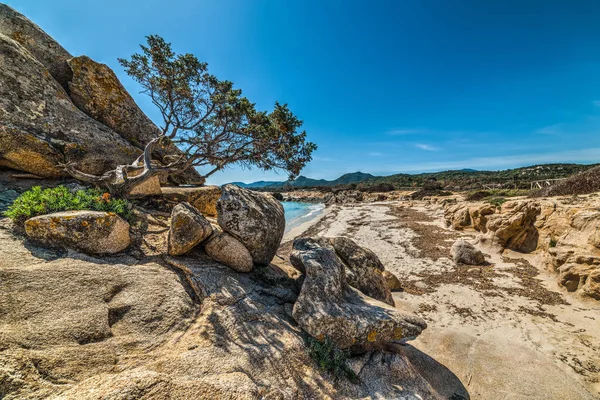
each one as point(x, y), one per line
point(382, 86)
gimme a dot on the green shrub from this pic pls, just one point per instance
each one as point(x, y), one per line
point(497, 201)
point(553, 243)
point(37, 202)
point(331, 359)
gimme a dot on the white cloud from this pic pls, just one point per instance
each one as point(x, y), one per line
point(427, 147)
point(400, 132)
point(555, 129)
point(589, 155)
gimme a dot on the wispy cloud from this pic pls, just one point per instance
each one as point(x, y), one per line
point(589, 155)
point(426, 147)
point(555, 129)
point(401, 132)
point(324, 159)
point(375, 154)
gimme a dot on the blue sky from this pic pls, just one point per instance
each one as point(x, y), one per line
point(382, 86)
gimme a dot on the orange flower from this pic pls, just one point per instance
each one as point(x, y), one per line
point(106, 197)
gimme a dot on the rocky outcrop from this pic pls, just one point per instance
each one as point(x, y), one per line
point(40, 127)
point(92, 232)
point(515, 226)
point(224, 248)
point(328, 307)
point(58, 109)
point(463, 252)
point(255, 219)
point(43, 48)
point(204, 198)
point(188, 229)
point(363, 269)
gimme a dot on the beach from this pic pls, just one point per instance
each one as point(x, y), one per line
point(507, 330)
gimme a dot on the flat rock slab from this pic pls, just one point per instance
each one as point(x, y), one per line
point(92, 232)
point(204, 198)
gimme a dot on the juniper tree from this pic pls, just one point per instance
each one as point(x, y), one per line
point(208, 119)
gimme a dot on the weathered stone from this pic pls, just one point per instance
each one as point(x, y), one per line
point(40, 127)
point(463, 252)
point(188, 229)
point(591, 288)
point(515, 227)
point(226, 249)
point(255, 219)
point(45, 49)
point(92, 232)
point(392, 281)
point(363, 269)
point(328, 306)
point(204, 198)
point(7, 197)
point(150, 187)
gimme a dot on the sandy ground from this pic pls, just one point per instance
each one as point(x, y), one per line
point(506, 330)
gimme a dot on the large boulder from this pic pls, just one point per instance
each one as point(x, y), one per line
point(45, 49)
point(92, 232)
point(226, 249)
point(204, 198)
point(40, 127)
point(363, 269)
point(255, 219)
point(328, 307)
point(463, 252)
point(514, 227)
point(188, 229)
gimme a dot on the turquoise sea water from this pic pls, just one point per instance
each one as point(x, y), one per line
point(298, 213)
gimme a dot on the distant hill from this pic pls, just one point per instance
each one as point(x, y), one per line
point(303, 181)
point(454, 178)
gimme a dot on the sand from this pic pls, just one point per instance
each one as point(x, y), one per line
point(507, 330)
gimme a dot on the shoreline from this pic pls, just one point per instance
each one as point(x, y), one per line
point(306, 225)
point(475, 312)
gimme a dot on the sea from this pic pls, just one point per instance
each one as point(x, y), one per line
point(298, 213)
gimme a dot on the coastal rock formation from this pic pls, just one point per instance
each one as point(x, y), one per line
point(363, 269)
point(43, 48)
point(226, 249)
point(41, 127)
point(463, 252)
point(515, 227)
point(328, 307)
point(188, 228)
point(92, 232)
point(58, 109)
point(203, 198)
point(255, 219)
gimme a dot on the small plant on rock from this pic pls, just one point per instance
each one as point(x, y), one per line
point(553, 242)
point(38, 201)
point(497, 201)
point(331, 359)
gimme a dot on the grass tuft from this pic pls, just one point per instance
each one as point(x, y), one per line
point(38, 201)
point(331, 359)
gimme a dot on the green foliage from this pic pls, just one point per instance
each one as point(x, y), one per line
point(477, 195)
point(331, 359)
point(553, 242)
point(210, 120)
point(497, 201)
point(38, 201)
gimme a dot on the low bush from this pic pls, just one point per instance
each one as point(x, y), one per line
point(331, 359)
point(497, 201)
point(38, 201)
